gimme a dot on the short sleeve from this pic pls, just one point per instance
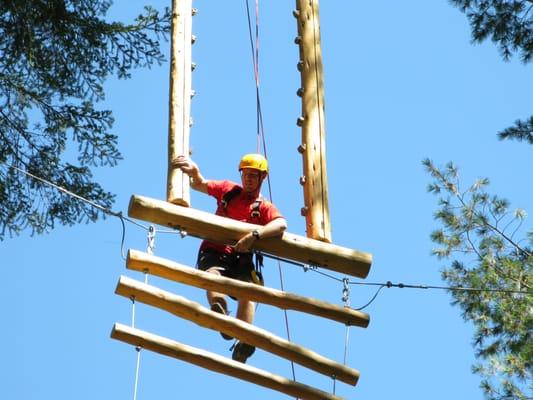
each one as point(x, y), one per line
point(269, 212)
point(218, 189)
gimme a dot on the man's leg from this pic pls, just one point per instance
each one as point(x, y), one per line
point(246, 311)
point(218, 302)
point(216, 297)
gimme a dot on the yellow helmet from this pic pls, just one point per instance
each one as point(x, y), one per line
point(254, 161)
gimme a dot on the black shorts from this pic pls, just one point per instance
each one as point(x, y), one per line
point(239, 266)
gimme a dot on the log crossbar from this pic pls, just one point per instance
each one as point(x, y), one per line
point(217, 363)
point(202, 316)
point(225, 230)
point(144, 262)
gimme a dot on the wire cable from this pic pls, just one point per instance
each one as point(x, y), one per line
point(389, 284)
point(103, 209)
point(305, 267)
point(261, 132)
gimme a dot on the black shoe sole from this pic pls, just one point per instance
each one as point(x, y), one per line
point(242, 352)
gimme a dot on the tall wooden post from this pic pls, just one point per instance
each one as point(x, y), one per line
point(179, 121)
point(313, 147)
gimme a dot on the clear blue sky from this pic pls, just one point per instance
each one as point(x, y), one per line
point(403, 82)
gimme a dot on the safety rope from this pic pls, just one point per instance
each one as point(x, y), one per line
point(150, 238)
point(305, 267)
point(254, 47)
point(346, 300)
point(261, 140)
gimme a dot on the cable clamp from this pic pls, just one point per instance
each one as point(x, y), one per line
point(346, 292)
point(151, 239)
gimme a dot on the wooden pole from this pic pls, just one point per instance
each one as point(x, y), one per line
point(225, 230)
point(312, 122)
point(216, 363)
point(140, 261)
point(236, 328)
point(178, 190)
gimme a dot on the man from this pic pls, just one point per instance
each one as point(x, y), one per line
point(244, 203)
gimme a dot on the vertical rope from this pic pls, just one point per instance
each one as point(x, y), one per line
point(346, 300)
point(286, 318)
point(150, 250)
point(132, 298)
point(254, 47)
point(138, 349)
point(138, 365)
point(261, 130)
point(346, 339)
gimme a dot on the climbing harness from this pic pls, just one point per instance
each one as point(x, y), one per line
point(255, 209)
point(257, 272)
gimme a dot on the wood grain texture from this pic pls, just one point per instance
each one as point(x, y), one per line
point(216, 363)
point(144, 262)
point(224, 230)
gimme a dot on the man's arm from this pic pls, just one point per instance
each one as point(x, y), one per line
point(189, 167)
point(276, 227)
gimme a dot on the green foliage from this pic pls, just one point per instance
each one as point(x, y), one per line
point(509, 24)
point(54, 58)
point(522, 130)
point(478, 236)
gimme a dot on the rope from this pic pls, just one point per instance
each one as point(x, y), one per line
point(389, 284)
point(346, 300)
point(105, 210)
point(255, 62)
point(261, 140)
point(138, 365)
point(305, 267)
point(63, 190)
point(150, 250)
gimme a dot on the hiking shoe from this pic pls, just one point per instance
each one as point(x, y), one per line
point(242, 352)
point(218, 308)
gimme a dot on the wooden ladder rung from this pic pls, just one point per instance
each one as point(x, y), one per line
point(217, 363)
point(241, 330)
point(144, 262)
point(225, 230)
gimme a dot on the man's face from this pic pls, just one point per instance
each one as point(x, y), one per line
point(251, 179)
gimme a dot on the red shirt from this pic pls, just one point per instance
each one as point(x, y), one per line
point(239, 208)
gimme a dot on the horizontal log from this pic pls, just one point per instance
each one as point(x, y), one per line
point(216, 363)
point(141, 261)
point(236, 328)
point(224, 230)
